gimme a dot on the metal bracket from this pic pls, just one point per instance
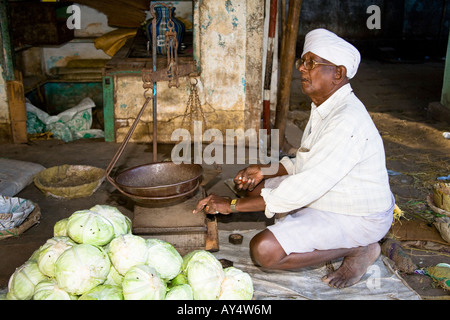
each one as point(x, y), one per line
point(166, 74)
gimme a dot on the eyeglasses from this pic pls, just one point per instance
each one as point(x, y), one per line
point(309, 64)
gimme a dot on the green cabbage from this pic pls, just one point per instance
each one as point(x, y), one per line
point(179, 279)
point(103, 292)
point(180, 292)
point(81, 268)
point(35, 255)
point(23, 281)
point(60, 228)
point(126, 251)
point(114, 277)
point(204, 273)
point(85, 226)
point(49, 253)
point(237, 285)
point(120, 222)
point(49, 290)
point(94, 256)
point(142, 282)
point(164, 258)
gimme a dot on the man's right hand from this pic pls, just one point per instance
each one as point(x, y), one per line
point(249, 178)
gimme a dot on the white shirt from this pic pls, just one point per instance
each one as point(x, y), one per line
point(340, 166)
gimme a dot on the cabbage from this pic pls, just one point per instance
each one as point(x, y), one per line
point(23, 281)
point(142, 282)
point(60, 228)
point(94, 256)
point(127, 251)
point(237, 285)
point(114, 277)
point(97, 226)
point(50, 251)
point(198, 255)
point(179, 279)
point(35, 255)
point(81, 268)
point(49, 290)
point(205, 280)
point(103, 292)
point(120, 222)
point(204, 273)
point(85, 226)
point(180, 292)
point(164, 258)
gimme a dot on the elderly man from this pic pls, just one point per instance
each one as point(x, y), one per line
point(333, 199)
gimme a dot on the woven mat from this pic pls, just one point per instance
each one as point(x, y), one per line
point(379, 283)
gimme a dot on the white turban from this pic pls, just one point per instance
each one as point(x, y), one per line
point(329, 46)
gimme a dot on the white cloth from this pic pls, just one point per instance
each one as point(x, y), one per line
point(308, 229)
point(340, 166)
point(329, 46)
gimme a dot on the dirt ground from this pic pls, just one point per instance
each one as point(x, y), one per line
point(395, 94)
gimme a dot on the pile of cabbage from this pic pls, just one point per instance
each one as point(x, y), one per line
point(94, 256)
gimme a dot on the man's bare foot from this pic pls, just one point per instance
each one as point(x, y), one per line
point(353, 267)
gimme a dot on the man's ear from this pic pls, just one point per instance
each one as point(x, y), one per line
point(341, 74)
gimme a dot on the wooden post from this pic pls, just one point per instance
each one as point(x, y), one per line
point(287, 65)
point(108, 108)
point(269, 65)
point(7, 56)
point(14, 84)
point(445, 96)
point(283, 24)
point(17, 111)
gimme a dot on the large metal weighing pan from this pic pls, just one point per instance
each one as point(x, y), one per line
point(160, 179)
point(158, 182)
point(163, 201)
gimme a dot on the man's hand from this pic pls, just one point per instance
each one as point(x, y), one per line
point(213, 204)
point(249, 178)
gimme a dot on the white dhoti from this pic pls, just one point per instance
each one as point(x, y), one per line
point(308, 229)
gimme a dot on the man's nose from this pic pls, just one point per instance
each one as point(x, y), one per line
point(302, 68)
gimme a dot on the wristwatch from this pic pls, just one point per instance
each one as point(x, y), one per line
point(233, 205)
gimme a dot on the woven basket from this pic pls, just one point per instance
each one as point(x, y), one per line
point(441, 195)
point(441, 223)
point(69, 181)
point(32, 219)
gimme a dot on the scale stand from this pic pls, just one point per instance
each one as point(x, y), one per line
point(150, 77)
point(171, 73)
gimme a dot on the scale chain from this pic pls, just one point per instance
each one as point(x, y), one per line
point(172, 52)
point(193, 107)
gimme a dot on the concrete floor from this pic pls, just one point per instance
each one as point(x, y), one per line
point(399, 90)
